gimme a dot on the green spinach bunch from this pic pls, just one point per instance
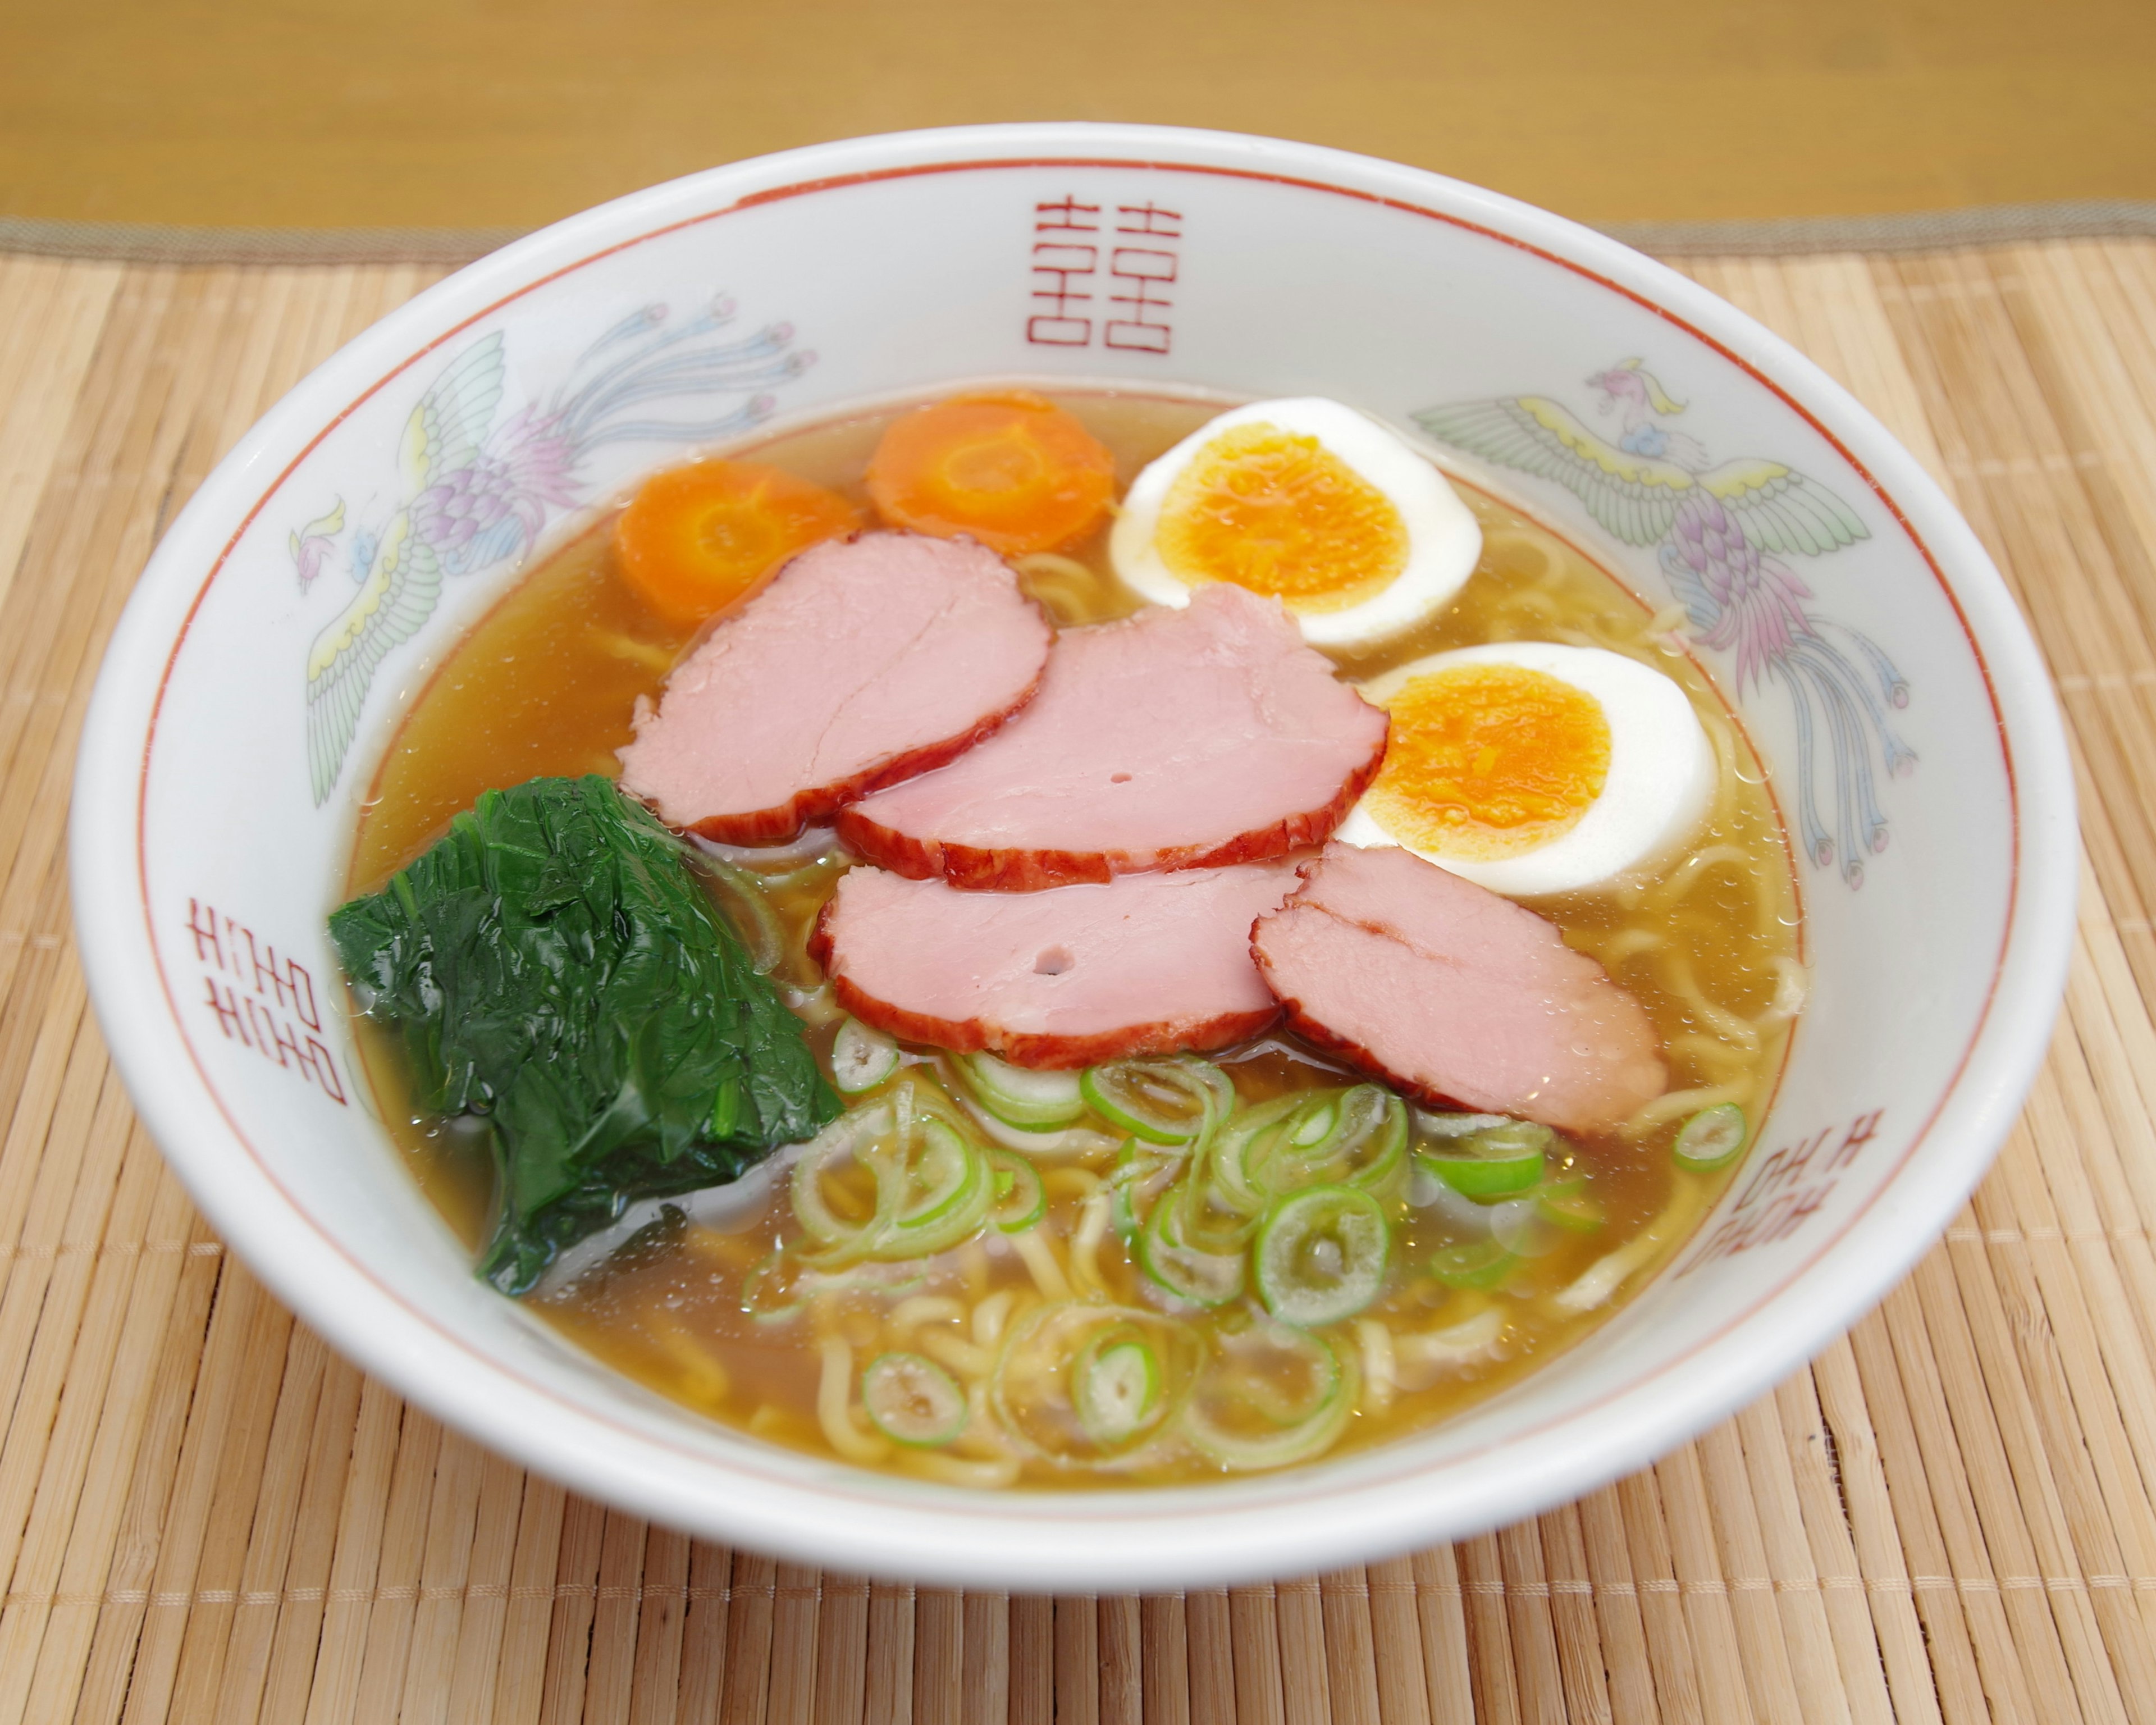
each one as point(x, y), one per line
point(557, 967)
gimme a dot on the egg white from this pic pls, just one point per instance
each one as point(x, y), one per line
point(1660, 782)
point(1443, 539)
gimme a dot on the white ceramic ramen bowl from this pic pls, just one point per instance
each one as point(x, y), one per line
point(1914, 749)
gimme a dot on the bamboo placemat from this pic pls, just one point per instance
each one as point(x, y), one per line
point(1951, 1515)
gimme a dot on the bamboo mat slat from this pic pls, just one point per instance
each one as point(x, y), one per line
point(1949, 1517)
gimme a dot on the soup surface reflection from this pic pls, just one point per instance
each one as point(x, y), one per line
point(721, 1314)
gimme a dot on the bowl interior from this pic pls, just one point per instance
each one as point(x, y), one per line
point(303, 597)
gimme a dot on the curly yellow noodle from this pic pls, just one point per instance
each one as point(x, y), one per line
point(1686, 875)
point(702, 1375)
point(982, 1436)
point(917, 1309)
point(653, 658)
point(961, 1357)
point(834, 1406)
point(1677, 1104)
point(1078, 1182)
point(1040, 1264)
point(1379, 1378)
point(992, 1314)
point(1599, 1283)
point(1085, 1244)
point(955, 1470)
point(1065, 588)
point(1055, 563)
point(1678, 977)
point(1627, 943)
point(1705, 1051)
point(815, 1007)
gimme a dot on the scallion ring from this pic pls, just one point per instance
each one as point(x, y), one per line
point(1188, 1272)
point(1116, 1389)
point(1712, 1138)
point(1569, 1204)
point(1021, 1097)
point(1493, 1162)
point(861, 1059)
point(1472, 1263)
point(912, 1400)
point(1020, 1198)
point(1169, 1102)
point(1321, 1254)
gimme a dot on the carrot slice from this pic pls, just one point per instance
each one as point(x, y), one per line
point(1007, 467)
point(698, 538)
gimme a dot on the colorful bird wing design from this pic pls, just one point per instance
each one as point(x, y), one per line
point(448, 428)
point(1781, 510)
point(399, 595)
point(1634, 496)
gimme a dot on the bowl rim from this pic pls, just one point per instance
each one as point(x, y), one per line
point(1209, 1533)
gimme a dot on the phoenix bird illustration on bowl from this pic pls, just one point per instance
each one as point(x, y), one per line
point(475, 491)
point(1723, 533)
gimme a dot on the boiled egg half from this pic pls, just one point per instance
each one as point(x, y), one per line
point(1533, 768)
point(1309, 501)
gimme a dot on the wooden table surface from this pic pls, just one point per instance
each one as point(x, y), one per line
point(329, 114)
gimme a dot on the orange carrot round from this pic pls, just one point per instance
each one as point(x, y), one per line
point(699, 538)
point(1006, 467)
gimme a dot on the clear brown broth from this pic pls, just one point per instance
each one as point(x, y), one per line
point(547, 684)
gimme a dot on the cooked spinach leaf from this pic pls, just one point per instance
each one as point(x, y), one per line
point(557, 968)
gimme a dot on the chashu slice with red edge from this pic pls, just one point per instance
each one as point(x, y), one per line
point(1172, 739)
point(1454, 996)
point(862, 662)
point(1064, 977)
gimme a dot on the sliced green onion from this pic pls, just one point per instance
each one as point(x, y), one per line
point(1141, 1172)
point(1020, 1096)
point(1712, 1138)
point(912, 1400)
point(1358, 1137)
point(933, 1188)
point(1020, 1198)
point(1238, 1416)
point(1049, 1395)
point(1161, 1101)
point(1186, 1271)
point(1474, 1264)
point(1322, 1255)
point(1375, 1137)
point(1455, 1126)
point(846, 1136)
point(1239, 1141)
point(947, 1195)
point(1317, 1126)
point(1049, 1140)
point(1569, 1204)
point(1496, 1162)
point(861, 1059)
point(1116, 1389)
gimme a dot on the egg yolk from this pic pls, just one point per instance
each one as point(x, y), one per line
point(1488, 761)
point(1279, 513)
